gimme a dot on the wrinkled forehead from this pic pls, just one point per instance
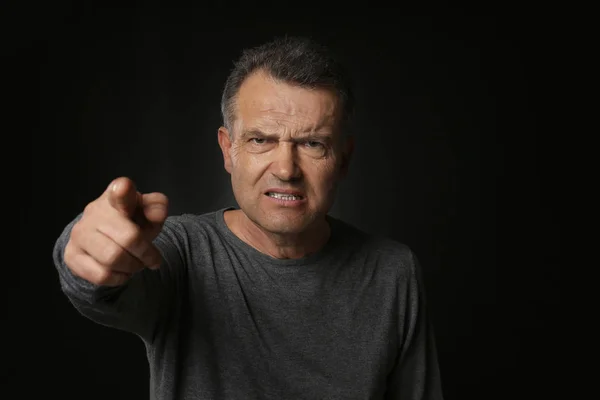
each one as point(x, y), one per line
point(266, 103)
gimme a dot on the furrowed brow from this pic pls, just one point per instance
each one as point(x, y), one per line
point(257, 133)
point(308, 136)
point(315, 136)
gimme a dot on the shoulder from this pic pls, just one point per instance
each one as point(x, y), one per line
point(190, 221)
point(209, 219)
point(184, 226)
point(395, 254)
point(385, 251)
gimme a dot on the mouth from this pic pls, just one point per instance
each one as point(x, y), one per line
point(284, 196)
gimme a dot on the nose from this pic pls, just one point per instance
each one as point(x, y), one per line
point(285, 165)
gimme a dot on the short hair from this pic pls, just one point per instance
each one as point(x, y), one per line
point(295, 60)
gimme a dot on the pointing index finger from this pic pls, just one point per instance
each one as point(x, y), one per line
point(122, 195)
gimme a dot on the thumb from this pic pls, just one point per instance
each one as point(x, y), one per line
point(123, 196)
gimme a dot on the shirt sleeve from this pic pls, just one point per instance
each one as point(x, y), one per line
point(143, 303)
point(416, 374)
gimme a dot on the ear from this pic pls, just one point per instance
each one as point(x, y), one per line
point(347, 151)
point(225, 145)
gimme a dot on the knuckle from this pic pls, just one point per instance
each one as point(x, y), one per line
point(131, 237)
point(76, 230)
point(68, 255)
point(102, 276)
point(67, 252)
point(111, 255)
point(77, 239)
point(89, 208)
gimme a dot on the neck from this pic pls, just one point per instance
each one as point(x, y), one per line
point(281, 246)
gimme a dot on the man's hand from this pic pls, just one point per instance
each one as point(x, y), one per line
point(113, 239)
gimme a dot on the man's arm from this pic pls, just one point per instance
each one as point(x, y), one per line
point(416, 375)
point(141, 303)
point(120, 261)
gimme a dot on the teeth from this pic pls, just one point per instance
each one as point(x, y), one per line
point(284, 196)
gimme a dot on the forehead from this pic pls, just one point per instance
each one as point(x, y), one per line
point(272, 105)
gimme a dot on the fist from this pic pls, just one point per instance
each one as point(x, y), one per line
point(113, 238)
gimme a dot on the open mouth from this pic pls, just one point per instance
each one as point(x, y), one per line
point(281, 196)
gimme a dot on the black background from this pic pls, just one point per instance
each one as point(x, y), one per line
point(448, 160)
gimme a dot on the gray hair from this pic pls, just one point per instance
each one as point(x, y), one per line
point(296, 60)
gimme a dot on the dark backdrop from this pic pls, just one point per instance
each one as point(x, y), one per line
point(447, 161)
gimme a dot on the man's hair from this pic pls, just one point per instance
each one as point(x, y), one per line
point(294, 60)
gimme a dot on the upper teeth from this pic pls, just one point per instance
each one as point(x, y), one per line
point(284, 196)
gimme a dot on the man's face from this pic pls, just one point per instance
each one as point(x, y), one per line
point(284, 138)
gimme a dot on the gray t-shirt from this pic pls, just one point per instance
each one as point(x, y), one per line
point(221, 320)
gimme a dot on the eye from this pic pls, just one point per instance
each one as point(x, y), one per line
point(314, 144)
point(258, 140)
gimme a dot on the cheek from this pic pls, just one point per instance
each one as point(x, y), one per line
point(324, 177)
point(246, 168)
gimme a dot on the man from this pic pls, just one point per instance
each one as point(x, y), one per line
point(275, 299)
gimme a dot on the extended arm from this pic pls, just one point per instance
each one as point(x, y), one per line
point(140, 304)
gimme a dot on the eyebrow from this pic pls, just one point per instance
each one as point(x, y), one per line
point(311, 136)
